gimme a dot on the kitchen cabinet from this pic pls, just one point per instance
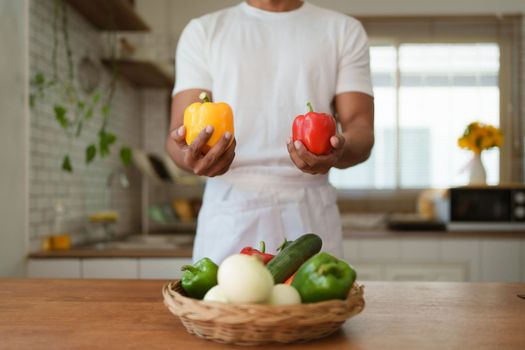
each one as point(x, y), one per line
point(375, 259)
point(54, 268)
point(437, 259)
point(110, 268)
point(377, 250)
point(465, 251)
point(419, 250)
point(426, 272)
point(369, 272)
point(350, 251)
point(498, 253)
point(411, 272)
point(162, 268)
point(118, 268)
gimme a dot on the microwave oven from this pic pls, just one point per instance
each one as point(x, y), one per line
point(487, 208)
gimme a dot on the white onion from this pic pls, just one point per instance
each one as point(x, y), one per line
point(245, 280)
point(216, 294)
point(283, 294)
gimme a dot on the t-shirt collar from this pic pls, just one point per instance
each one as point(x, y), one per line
point(270, 15)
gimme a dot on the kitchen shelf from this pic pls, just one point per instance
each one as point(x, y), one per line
point(110, 14)
point(141, 73)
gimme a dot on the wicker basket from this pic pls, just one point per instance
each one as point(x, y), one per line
point(261, 324)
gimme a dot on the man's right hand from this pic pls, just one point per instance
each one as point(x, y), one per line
point(215, 162)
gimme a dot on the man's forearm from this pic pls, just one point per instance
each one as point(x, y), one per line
point(357, 148)
point(355, 111)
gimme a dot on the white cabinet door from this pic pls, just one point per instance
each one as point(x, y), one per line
point(368, 272)
point(53, 268)
point(467, 251)
point(501, 260)
point(426, 272)
point(420, 250)
point(351, 250)
point(110, 268)
point(379, 250)
point(162, 268)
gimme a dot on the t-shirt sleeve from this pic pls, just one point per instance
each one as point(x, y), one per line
point(191, 60)
point(354, 63)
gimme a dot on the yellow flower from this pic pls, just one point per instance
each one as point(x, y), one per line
point(478, 137)
point(498, 139)
point(474, 139)
point(473, 126)
point(486, 143)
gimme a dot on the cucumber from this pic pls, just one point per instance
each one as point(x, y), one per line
point(283, 245)
point(289, 259)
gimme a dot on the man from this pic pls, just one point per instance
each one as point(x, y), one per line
point(267, 58)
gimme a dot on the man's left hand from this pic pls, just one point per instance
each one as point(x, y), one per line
point(311, 163)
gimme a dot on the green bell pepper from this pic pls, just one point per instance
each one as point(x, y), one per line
point(323, 277)
point(199, 278)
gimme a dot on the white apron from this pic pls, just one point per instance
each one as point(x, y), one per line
point(248, 207)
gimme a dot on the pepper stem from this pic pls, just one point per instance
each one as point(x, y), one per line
point(263, 246)
point(204, 97)
point(190, 268)
point(310, 108)
point(328, 268)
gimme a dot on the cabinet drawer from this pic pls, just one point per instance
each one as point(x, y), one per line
point(500, 260)
point(162, 268)
point(368, 272)
point(53, 268)
point(426, 272)
point(110, 268)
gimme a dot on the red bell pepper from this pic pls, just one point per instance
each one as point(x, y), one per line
point(314, 130)
point(264, 256)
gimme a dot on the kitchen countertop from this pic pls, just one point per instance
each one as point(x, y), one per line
point(113, 253)
point(109, 314)
point(186, 252)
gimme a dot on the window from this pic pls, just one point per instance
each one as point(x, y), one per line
point(425, 95)
point(433, 75)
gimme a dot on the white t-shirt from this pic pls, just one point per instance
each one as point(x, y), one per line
point(267, 66)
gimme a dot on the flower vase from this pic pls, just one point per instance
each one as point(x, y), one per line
point(478, 176)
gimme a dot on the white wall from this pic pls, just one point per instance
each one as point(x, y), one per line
point(14, 17)
point(84, 191)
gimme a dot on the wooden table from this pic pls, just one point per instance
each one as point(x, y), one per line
point(109, 314)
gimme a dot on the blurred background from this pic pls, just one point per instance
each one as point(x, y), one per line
point(87, 191)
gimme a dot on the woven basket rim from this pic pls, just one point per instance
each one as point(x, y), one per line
point(168, 290)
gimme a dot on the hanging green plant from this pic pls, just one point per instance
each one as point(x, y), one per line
point(74, 108)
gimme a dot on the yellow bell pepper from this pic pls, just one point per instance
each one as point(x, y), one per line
point(199, 115)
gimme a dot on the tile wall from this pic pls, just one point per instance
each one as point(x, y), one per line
point(85, 191)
